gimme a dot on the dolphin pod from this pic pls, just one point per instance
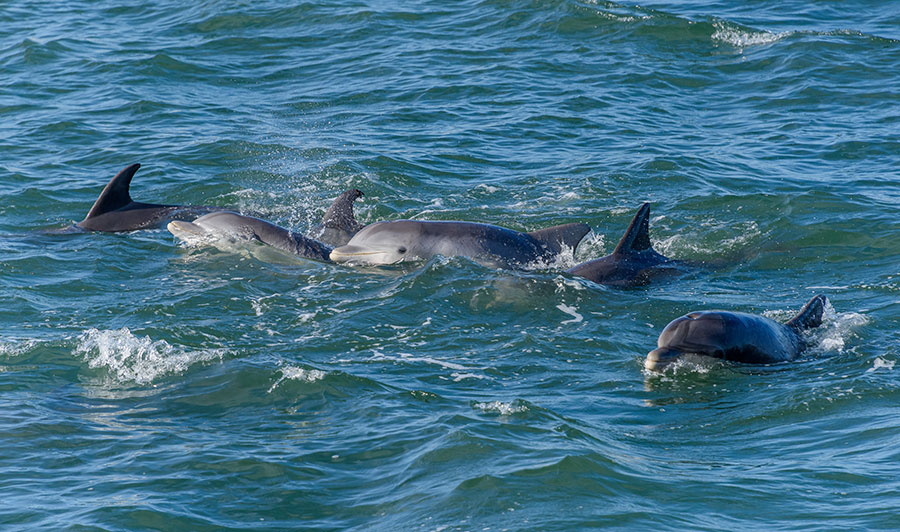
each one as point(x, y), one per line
point(731, 336)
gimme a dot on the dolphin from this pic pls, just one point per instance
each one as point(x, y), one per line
point(115, 211)
point(407, 240)
point(239, 227)
point(339, 225)
point(735, 336)
point(633, 262)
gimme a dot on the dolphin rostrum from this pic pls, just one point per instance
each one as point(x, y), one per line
point(735, 336)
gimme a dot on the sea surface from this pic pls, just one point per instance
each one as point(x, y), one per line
point(146, 384)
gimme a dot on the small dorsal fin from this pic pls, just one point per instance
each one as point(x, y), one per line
point(637, 236)
point(810, 316)
point(340, 214)
point(568, 235)
point(115, 195)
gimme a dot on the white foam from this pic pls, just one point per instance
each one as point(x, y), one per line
point(880, 363)
point(680, 243)
point(459, 371)
point(296, 373)
point(504, 409)
point(13, 348)
point(836, 328)
point(571, 311)
point(130, 358)
point(742, 39)
point(487, 188)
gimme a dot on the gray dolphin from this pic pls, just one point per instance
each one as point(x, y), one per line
point(735, 336)
point(339, 225)
point(236, 226)
point(115, 211)
point(406, 240)
point(634, 261)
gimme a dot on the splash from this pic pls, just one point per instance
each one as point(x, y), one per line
point(684, 244)
point(504, 409)
point(836, 328)
point(16, 348)
point(741, 38)
point(296, 373)
point(571, 311)
point(130, 358)
point(881, 363)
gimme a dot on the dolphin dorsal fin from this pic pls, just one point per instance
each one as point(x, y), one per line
point(637, 236)
point(568, 235)
point(810, 316)
point(340, 214)
point(115, 195)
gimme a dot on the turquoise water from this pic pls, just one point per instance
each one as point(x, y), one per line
point(149, 385)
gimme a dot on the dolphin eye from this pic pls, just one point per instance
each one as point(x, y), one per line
point(402, 250)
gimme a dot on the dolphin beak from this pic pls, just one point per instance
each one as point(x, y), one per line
point(185, 229)
point(659, 358)
point(350, 253)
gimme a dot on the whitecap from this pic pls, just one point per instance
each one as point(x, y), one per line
point(504, 409)
point(881, 363)
point(571, 311)
point(740, 38)
point(131, 358)
point(296, 373)
point(15, 348)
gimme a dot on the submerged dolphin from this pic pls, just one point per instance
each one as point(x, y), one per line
point(115, 211)
point(396, 241)
point(735, 336)
point(247, 228)
point(339, 225)
point(633, 262)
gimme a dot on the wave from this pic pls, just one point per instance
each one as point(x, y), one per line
point(135, 359)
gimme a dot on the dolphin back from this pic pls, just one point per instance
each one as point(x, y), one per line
point(339, 224)
point(555, 238)
point(116, 193)
point(637, 236)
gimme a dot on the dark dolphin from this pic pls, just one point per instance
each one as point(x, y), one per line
point(115, 211)
point(232, 225)
point(339, 225)
point(735, 336)
point(406, 240)
point(634, 261)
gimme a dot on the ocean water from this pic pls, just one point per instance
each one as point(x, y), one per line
point(150, 385)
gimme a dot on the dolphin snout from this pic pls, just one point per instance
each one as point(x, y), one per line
point(351, 253)
point(659, 358)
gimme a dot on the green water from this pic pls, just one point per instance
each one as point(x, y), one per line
point(149, 385)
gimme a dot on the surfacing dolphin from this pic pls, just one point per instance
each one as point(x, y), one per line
point(735, 336)
point(408, 240)
point(237, 227)
point(634, 261)
point(339, 225)
point(115, 211)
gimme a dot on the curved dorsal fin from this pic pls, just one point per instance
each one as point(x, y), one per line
point(568, 235)
point(810, 316)
point(637, 236)
point(115, 195)
point(340, 214)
